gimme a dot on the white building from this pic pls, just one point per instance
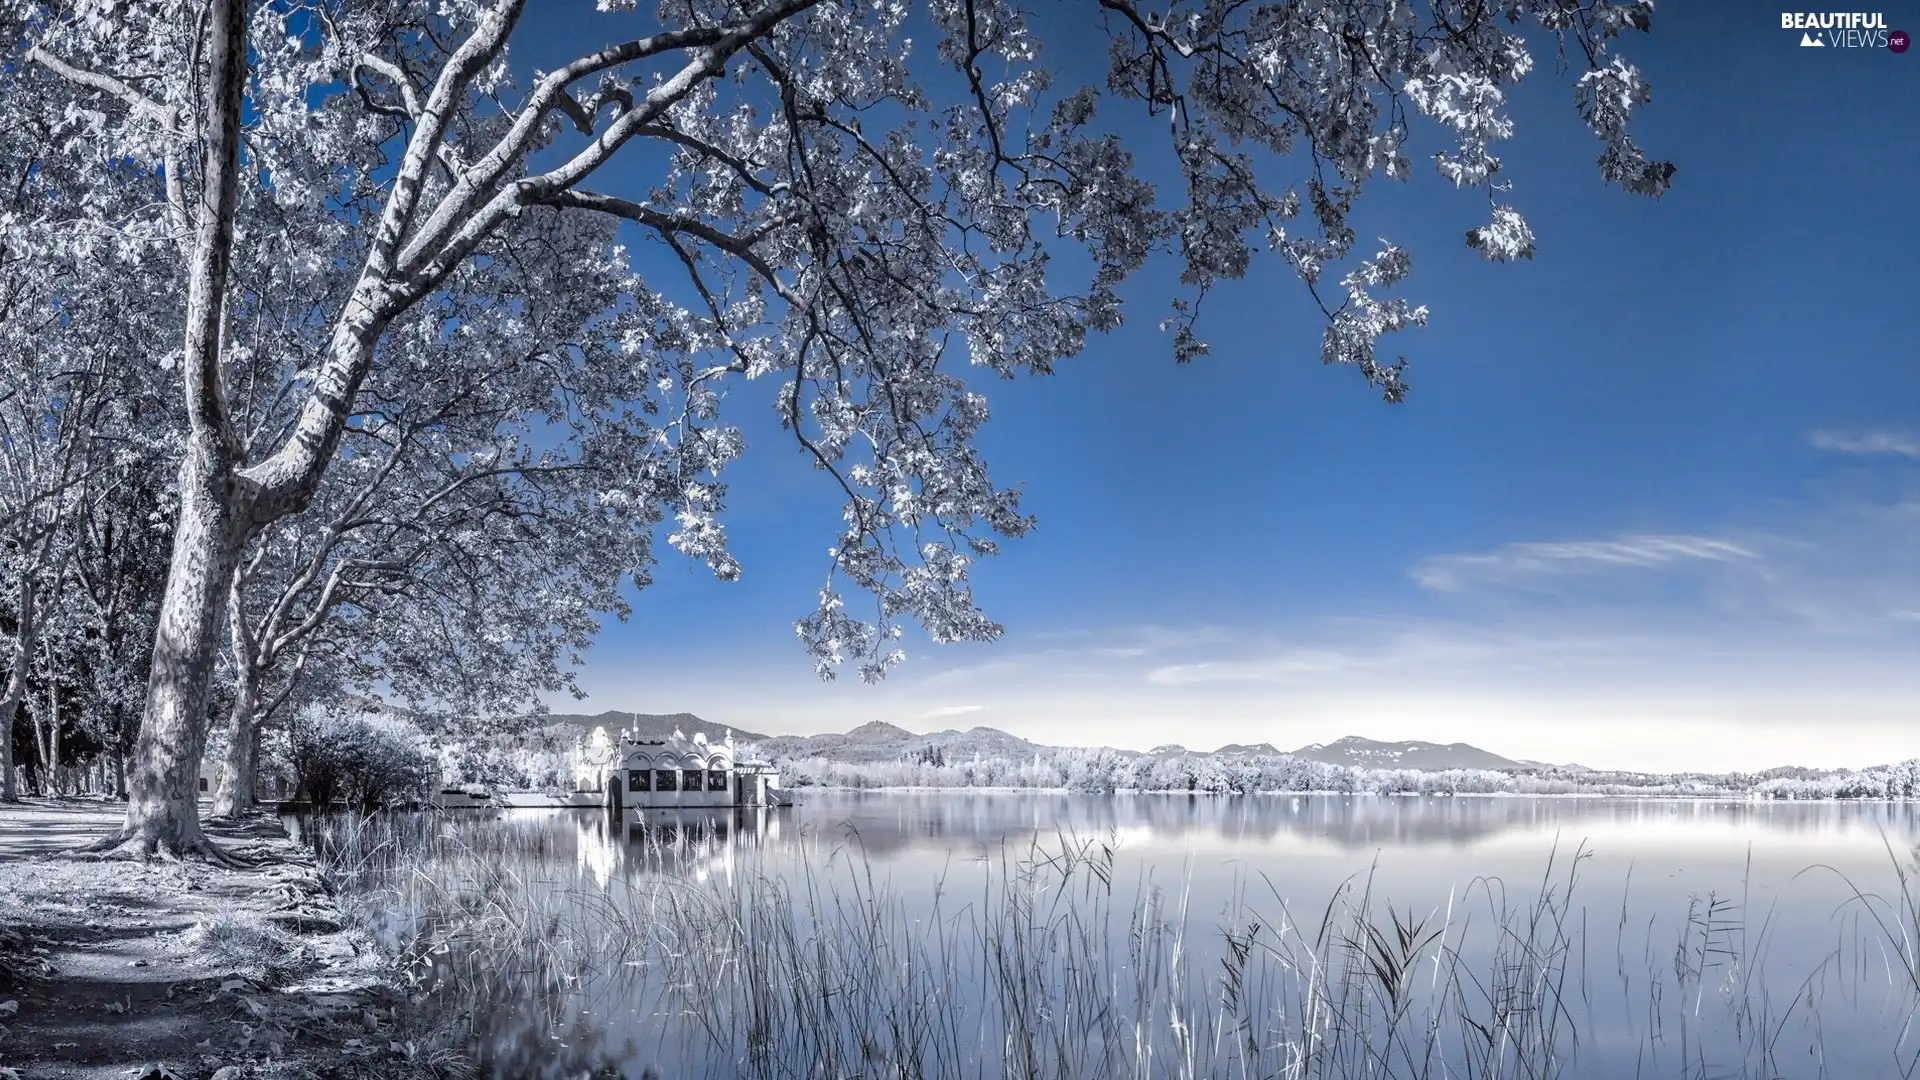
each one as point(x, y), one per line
point(678, 771)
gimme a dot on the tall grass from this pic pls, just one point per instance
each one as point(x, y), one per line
point(720, 960)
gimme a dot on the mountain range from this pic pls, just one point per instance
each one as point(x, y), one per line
point(879, 741)
point(650, 725)
point(1409, 754)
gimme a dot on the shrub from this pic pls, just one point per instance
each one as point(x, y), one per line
point(367, 763)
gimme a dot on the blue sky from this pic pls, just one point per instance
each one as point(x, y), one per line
point(1654, 499)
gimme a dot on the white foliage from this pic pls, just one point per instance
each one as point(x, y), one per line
point(868, 224)
point(1505, 238)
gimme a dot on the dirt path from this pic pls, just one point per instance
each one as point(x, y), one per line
point(109, 968)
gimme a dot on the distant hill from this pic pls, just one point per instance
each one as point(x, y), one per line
point(878, 741)
point(651, 725)
point(1548, 766)
point(1410, 754)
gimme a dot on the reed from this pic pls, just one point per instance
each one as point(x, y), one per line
point(1041, 962)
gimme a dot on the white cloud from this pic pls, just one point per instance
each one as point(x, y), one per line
point(948, 710)
point(1866, 442)
point(1533, 560)
point(1407, 655)
point(1286, 665)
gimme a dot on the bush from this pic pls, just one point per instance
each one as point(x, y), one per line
point(366, 763)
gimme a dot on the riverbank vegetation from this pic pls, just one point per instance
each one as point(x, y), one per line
point(1105, 771)
point(372, 761)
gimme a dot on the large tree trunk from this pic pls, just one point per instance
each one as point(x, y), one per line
point(42, 748)
point(234, 794)
point(16, 688)
point(163, 791)
point(163, 813)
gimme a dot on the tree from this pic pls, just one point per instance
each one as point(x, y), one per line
point(848, 220)
point(73, 439)
point(457, 553)
point(120, 568)
point(368, 763)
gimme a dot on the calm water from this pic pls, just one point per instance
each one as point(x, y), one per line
point(1703, 938)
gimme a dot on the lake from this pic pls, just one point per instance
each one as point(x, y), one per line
point(1043, 935)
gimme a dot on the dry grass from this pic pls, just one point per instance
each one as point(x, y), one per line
point(243, 941)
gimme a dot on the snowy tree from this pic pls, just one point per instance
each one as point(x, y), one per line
point(481, 512)
point(119, 569)
point(80, 434)
point(369, 763)
point(853, 216)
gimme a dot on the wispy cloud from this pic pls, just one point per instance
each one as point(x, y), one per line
point(1511, 562)
point(1902, 443)
point(949, 710)
point(1289, 664)
point(1410, 652)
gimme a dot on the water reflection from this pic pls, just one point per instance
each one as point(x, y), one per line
point(691, 842)
point(601, 884)
point(892, 826)
point(888, 823)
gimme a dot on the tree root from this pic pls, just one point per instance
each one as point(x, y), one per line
point(130, 845)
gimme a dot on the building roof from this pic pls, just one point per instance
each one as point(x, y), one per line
point(680, 745)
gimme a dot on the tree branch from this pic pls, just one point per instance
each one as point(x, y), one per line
point(456, 230)
point(430, 128)
point(213, 238)
point(412, 108)
point(167, 116)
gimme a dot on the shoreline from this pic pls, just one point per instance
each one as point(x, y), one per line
point(1726, 797)
point(109, 967)
point(912, 789)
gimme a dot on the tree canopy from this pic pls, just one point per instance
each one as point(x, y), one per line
point(378, 238)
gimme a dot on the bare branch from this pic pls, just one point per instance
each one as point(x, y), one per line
point(412, 106)
point(461, 68)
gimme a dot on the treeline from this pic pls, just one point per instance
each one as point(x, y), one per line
point(1900, 781)
point(385, 761)
point(1105, 771)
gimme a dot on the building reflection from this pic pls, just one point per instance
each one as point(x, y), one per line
point(691, 843)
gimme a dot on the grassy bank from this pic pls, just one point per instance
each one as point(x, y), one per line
point(1043, 964)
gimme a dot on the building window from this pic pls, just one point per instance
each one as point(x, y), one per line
point(693, 780)
point(716, 779)
point(203, 783)
point(637, 780)
point(666, 779)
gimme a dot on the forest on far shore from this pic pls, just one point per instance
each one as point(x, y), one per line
point(543, 758)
